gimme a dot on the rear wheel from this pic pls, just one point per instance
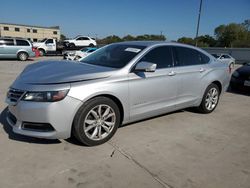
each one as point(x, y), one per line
point(96, 121)
point(77, 58)
point(41, 52)
point(23, 56)
point(72, 45)
point(210, 99)
point(91, 45)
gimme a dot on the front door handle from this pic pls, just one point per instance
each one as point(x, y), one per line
point(172, 73)
point(202, 70)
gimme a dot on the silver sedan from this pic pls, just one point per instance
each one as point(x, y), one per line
point(118, 84)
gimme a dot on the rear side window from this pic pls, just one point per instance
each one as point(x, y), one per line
point(9, 42)
point(22, 43)
point(82, 38)
point(187, 56)
point(161, 56)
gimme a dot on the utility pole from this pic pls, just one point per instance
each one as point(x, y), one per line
point(198, 24)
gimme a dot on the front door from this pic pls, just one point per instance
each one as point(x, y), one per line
point(152, 93)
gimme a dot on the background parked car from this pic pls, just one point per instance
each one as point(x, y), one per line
point(80, 54)
point(225, 58)
point(82, 41)
point(241, 78)
point(21, 49)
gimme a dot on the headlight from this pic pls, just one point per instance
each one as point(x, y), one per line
point(236, 74)
point(45, 96)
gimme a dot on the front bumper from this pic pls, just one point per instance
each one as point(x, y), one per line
point(59, 115)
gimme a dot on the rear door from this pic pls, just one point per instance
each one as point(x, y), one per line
point(82, 41)
point(152, 93)
point(192, 69)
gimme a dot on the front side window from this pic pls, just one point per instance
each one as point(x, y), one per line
point(187, 56)
point(22, 43)
point(161, 56)
point(49, 41)
point(225, 56)
point(82, 38)
point(114, 55)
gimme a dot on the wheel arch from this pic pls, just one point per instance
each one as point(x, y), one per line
point(112, 97)
point(218, 83)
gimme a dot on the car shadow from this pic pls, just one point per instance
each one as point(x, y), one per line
point(239, 91)
point(30, 59)
point(13, 136)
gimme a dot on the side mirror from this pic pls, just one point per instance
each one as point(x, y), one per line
point(144, 66)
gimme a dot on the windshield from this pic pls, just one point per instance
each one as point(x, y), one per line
point(215, 55)
point(114, 55)
point(43, 40)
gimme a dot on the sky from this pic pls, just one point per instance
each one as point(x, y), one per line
point(101, 18)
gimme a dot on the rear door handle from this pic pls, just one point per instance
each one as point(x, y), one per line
point(172, 73)
point(202, 70)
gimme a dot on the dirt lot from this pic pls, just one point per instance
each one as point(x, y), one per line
point(179, 150)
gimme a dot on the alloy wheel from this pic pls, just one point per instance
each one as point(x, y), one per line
point(211, 99)
point(99, 122)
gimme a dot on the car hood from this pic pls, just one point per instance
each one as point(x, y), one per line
point(59, 72)
point(244, 71)
point(36, 44)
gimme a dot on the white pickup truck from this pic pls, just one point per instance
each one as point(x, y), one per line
point(48, 46)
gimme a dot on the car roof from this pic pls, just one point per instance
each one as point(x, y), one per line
point(154, 43)
point(18, 38)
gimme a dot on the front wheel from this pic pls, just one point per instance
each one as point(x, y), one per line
point(96, 121)
point(210, 99)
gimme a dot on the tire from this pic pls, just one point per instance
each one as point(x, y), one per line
point(210, 99)
point(41, 52)
point(22, 56)
point(72, 45)
point(91, 45)
point(77, 58)
point(92, 130)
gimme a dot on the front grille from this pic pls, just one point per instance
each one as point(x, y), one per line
point(14, 95)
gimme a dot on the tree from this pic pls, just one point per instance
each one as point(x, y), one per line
point(151, 37)
point(206, 41)
point(228, 35)
point(128, 38)
point(110, 39)
point(63, 37)
point(186, 40)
